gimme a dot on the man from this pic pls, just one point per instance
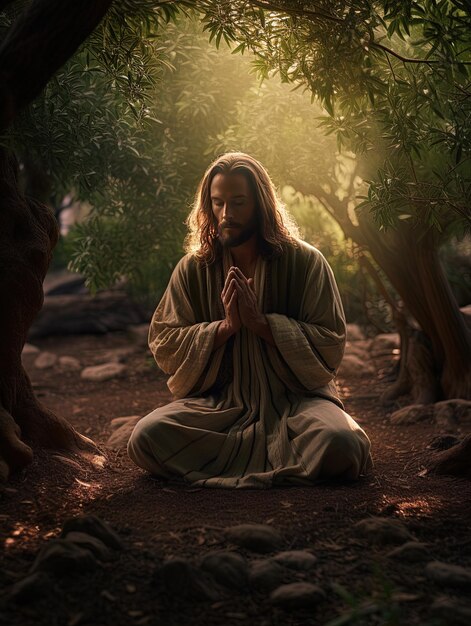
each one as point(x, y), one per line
point(251, 331)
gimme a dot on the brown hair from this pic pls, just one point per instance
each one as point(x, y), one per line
point(277, 229)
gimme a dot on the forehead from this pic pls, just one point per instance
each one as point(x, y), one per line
point(230, 184)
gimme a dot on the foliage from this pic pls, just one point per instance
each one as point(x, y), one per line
point(391, 74)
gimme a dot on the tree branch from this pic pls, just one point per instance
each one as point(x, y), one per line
point(40, 41)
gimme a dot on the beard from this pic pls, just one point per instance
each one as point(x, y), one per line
point(241, 234)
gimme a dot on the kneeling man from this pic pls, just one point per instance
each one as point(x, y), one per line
point(251, 331)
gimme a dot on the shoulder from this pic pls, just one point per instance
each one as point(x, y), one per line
point(186, 266)
point(305, 254)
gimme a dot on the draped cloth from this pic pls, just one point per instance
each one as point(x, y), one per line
point(249, 414)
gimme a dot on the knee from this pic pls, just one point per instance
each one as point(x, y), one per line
point(141, 437)
point(343, 454)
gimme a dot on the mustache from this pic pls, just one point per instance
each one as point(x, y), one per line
point(229, 224)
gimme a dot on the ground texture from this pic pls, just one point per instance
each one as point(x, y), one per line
point(158, 520)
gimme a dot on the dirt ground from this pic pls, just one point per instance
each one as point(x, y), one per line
point(157, 520)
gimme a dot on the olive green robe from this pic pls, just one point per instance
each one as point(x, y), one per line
point(250, 414)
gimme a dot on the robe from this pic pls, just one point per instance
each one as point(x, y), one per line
point(251, 414)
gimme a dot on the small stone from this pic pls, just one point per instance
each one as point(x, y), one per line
point(453, 612)
point(228, 568)
point(182, 579)
point(452, 413)
point(31, 588)
point(410, 552)
point(45, 360)
point(382, 530)
point(266, 575)
point(84, 540)
point(413, 414)
point(28, 349)
point(69, 363)
point(443, 442)
point(297, 595)
point(122, 427)
point(63, 557)
point(94, 526)
point(354, 366)
point(447, 574)
point(118, 355)
point(296, 559)
point(105, 371)
point(256, 537)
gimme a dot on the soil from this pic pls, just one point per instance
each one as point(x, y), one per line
point(158, 519)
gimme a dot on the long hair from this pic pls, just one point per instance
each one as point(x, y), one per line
point(277, 229)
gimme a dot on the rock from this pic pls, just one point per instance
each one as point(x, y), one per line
point(256, 537)
point(353, 366)
point(139, 334)
point(382, 530)
point(64, 282)
point(447, 574)
point(453, 612)
point(453, 413)
point(454, 462)
point(69, 363)
point(183, 580)
point(410, 552)
point(118, 355)
point(297, 595)
point(95, 545)
point(296, 559)
point(105, 371)
point(29, 349)
point(31, 588)
point(443, 442)
point(413, 414)
point(45, 360)
point(354, 333)
point(75, 314)
point(63, 557)
point(228, 568)
point(122, 429)
point(385, 342)
point(357, 350)
point(266, 575)
point(94, 526)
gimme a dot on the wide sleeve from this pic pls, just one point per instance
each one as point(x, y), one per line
point(182, 347)
point(311, 347)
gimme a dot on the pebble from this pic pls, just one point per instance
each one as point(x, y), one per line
point(266, 574)
point(228, 568)
point(355, 333)
point(63, 557)
point(45, 360)
point(382, 530)
point(105, 371)
point(30, 588)
point(296, 559)
point(411, 552)
point(84, 540)
point(256, 537)
point(353, 366)
point(448, 574)
point(69, 363)
point(28, 349)
point(184, 580)
point(122, 428)
point(297, 595)
point(94, 526)
point(453, 612)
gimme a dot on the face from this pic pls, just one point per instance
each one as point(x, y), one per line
point(234, 207)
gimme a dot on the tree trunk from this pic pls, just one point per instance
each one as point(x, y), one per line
point(28, 233)
point(410, 260)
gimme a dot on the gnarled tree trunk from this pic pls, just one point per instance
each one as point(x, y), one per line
point(28, 233)
point(410, 260)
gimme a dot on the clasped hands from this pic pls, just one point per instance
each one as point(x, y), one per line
point(240, 302)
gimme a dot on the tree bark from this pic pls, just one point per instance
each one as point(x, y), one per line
point(410, 260)
point(28, 233)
